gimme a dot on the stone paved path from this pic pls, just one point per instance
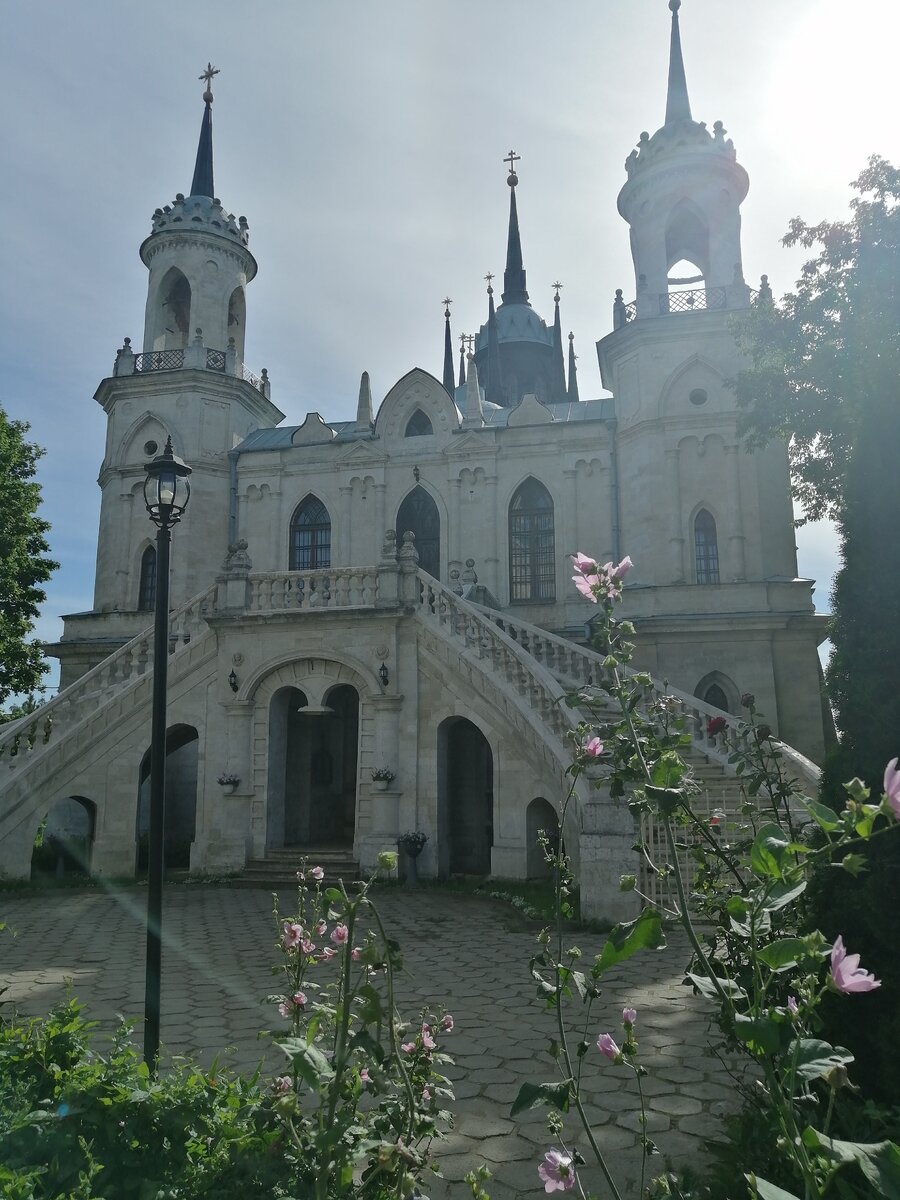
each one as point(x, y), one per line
point(465, 952)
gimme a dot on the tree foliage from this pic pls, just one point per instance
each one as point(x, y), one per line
point(24, 564)
point(826, 350)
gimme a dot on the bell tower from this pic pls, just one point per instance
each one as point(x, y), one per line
point(187, 382)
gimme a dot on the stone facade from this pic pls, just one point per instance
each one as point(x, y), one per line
point(315, 639)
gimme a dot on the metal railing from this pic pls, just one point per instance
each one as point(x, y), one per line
point(158, 360)
point(695, 300)
point(215, 360)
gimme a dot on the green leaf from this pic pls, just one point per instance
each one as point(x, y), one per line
point(815, 1058)
point(826, 818)
point(666, 799)
point(763, 1190)
point(878, 1161)
point(309, 1061)
point(782, 895)
point(644, 933)
point(768, 852)
point(533, 1095)
point(705, 987)
point(760, 1034)
point(668, 770)
point(786, 952)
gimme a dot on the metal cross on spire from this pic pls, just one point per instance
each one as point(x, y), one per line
point(557, 286)
point(446, 303)
point(488, 278)
point(512, 158)
point(208, 76)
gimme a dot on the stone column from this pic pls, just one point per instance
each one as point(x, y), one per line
point(492, 558)
point(380, 518)
point(676, 529)
point(344, 555)
point(454, 533)
point(570, 531)
point(736, 537)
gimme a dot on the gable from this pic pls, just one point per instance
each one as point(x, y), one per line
point(416, 390)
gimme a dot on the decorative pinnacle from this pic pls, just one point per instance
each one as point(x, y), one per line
point(446, 303)
point(208, 76)
point(489, 277)
point(557, 286)
point(512, 158)
point(674, 5)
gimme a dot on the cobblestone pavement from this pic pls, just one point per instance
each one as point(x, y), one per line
point(468, 953)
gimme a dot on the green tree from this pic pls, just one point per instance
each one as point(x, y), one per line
point(820, 356)
point(24, 564)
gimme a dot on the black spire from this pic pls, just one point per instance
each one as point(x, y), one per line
point(449, 386)
point(202, 183)
point(463, 342)
point(678, 106)
point(573, 370)
point(514, 291)
point(558, 384)
point(494, 389)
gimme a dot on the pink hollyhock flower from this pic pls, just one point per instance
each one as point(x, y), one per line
point(317, 874)
point(299, 999)
point(793, 1006)
point(354, 953)
point(586, 585)
point(427, 1040)
point(557, 1171)
point(621, 569)
point(408, 1047)
point(426, 1093)
point(284, 1009)
point(629, 1015)
point(606, 1045)
point(892, 786)
point(328, 952)
point(583, 564)
point(307, 946)
point(321, 928)
point(339, 935)
point(592, 747)
point(447, 1023)
point(846, 973)
point(283, 1084)
point(364, 1076)
point(291, 935)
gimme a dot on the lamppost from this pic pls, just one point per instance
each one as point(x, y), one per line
point(166, 493)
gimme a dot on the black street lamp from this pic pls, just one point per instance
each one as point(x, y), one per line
point(166, 493)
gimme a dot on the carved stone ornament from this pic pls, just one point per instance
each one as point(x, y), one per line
point(237, 558)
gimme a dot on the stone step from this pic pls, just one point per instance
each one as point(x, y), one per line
point(280, 865)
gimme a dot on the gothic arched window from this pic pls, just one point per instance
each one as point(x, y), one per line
point(532, 565)
point(715, 696)
point(147, 585)
point(418, 425)
point(310, 536)
point(706, 548)
point(419, 513)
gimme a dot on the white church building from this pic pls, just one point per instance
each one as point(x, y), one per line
point(395, 591)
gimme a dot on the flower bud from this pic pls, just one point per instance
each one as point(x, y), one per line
point(387, 860)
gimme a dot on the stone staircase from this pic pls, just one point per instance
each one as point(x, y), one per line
point(278, 869)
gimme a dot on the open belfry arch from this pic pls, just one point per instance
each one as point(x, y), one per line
point(392, 594)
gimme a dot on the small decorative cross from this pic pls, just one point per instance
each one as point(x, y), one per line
point(208, 76)
point(470, 339)
point(489, 277)
point(463, 341)
point(512, 158)
point(557, 286)
point(446, 303)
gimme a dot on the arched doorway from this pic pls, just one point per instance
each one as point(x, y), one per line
point(465, 798)
point(65, 838)
point(419, 513)
point(540, 817)
point(313, 769)
point(182, 761)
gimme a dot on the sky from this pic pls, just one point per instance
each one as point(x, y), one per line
point(364, 142)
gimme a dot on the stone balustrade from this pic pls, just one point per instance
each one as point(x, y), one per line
point(312, 591)
point(197, 356)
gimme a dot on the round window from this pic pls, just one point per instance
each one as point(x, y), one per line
point(151, 447)
point(698, 396)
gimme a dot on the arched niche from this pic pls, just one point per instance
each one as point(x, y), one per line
point(541, 822)
point(182, 764)
point(171, 313)
point(720, 691)
point(687, 240)
point(146, 596)
point(419, 513)
point(465, 798)
point(65, 839)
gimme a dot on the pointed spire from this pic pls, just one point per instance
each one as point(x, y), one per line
point(494, 389)
point(463, 342)
point(202, 183)
point(573, 370)
point(558, 383)
point(678, 106)
point(474, 414)
point(514, 291)
point(364, 406)
point(448, 350)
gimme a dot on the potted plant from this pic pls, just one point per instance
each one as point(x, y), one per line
point(412, 844)
point(228, 782)
point(382, 777)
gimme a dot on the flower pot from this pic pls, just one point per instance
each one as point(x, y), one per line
point(380, 785)
point(228, 788)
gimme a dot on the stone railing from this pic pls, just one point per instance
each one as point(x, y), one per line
point(196, 357)
point(577, 666)
point(473, 630)
point(307, 591)
point(23, 741)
